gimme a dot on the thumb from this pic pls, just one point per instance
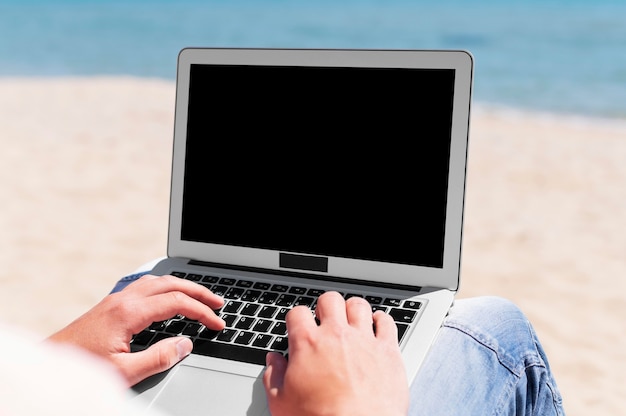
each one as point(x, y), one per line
point(274, 375)
point(156, 359)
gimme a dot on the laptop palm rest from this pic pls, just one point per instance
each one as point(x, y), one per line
point(201, 392)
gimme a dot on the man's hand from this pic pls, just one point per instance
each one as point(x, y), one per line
point(106, 329)
point(339, 367)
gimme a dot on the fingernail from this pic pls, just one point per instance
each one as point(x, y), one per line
point(183, 348)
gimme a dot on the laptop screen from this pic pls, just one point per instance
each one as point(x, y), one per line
point(346, 162)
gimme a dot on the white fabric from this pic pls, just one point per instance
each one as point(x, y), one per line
point(42, 378)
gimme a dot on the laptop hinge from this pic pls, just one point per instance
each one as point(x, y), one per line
point(306, 275)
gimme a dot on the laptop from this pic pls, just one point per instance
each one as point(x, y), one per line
point(300, 171)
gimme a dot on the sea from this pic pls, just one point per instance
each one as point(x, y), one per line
point(553, 56)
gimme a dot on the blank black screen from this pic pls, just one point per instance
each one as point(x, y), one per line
point(335, 161)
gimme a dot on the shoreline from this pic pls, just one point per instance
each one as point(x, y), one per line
point(85, 190)
point(478, 107)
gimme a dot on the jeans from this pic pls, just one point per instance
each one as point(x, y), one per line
point(486, 361)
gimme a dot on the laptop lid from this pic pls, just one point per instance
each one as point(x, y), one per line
point(343, 164)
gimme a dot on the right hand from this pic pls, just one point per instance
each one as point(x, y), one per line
point(339, 367)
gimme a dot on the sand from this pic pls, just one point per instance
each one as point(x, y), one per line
point(84, 186)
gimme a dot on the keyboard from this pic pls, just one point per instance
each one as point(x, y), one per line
point(254, 312)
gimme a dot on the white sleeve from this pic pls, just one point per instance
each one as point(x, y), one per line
point(38, 378)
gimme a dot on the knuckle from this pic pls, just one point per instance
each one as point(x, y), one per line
point(117, 304)
point(177, 297)
point(357, 301)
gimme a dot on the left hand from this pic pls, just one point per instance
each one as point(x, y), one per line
point(106, 329)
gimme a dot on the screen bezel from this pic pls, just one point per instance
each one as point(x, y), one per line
point(389, 273)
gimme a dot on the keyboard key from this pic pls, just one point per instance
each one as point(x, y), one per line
point(268, 297)
point(210, 279)
point(280, 344)
point(315, 292)
point(374, 300)
point(412, 304)
point(234, 293)
point(305, 300)
point(232, 306)
point(157, 337)
point(143, 338)
point(226, 335)
point(392, 302)
point(175, 327)
point(402, 315)
point(191, 329)
point(262, 285)
point(262, 340)
point(262, 325)
point(285, 300)
point(208, 333)
point(244, 337)
point(251, 295)
point(179, 274)
point(401, 331)
point(297, 290)
point(279, 288)
point(227, 281)
point(282, 313)
point(250, 309)
point(280, 328)
point(244, 283)
point(245, 322)
point(157, 326)
point(194, 277)
point(267, 311)
point(219, 290)
point(229, 319)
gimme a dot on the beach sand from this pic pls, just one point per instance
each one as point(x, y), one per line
point(84, 186)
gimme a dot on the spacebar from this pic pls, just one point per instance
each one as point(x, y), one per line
point(229, 351)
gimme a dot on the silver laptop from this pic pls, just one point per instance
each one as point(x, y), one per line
point(297, 172)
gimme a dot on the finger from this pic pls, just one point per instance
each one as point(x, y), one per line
point(156, 359)
point(386, 329)
point(274, 375)
point(151, 285)
point(299, 319)
point(166, 305)
point(359, 313)
point(331, 307)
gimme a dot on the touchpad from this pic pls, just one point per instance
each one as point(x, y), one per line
point(197, 391)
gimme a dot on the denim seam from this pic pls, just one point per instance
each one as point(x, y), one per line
point(501, 407)
point(528, 359)
point(557, 400)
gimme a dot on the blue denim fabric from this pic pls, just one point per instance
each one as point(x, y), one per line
point(125, 281)
point(486, 361)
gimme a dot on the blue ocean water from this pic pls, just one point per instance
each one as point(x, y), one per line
point(566, 56)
